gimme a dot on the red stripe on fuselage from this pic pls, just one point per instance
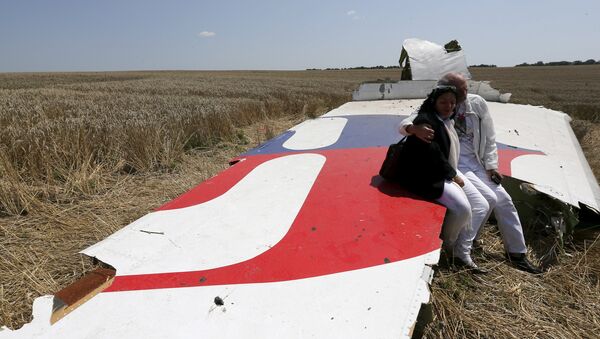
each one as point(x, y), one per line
point(350, 220)
point(506, 156)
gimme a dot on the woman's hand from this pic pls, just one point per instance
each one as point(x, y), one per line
point(459, 181)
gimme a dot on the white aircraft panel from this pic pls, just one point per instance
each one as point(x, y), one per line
point(376, 302)
point(203, 236)
point(382, 107)
point(562, 171)
point(316, 133)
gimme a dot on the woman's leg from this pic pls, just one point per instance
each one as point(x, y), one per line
point(480, 210)
point(458, 213)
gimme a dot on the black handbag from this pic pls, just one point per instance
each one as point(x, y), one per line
point(390, 169)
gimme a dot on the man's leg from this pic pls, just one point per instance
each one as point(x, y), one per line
point(505, 212)
point(508, 220)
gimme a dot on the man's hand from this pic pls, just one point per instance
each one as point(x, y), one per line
point(459, 181)
point(495, 176)
point(421, 131)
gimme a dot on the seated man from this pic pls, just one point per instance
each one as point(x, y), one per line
point(478, 162)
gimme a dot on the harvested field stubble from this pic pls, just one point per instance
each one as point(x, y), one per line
point(59, 138)
point(83, 154)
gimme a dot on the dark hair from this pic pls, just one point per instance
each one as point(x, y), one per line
point(429, 104)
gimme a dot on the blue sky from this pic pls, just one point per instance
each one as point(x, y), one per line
point(69, 35)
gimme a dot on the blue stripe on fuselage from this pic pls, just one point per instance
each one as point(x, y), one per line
point(361, 131)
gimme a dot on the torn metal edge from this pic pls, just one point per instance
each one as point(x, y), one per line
point(49, 309)
point(421, 313)
point(80, 291)
point(591, 178)
point(535, 207)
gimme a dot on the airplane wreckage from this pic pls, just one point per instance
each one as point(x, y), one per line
point(300, 237)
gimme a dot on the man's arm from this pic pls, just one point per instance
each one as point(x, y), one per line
point(432, 153)
point(421, 131)
point(407, 122)
point(490, 151)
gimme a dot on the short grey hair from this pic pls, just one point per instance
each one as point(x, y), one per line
point(450, 79)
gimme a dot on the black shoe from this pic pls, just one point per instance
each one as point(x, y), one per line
point(519, 260)
point(477, 247)
point(471, 266)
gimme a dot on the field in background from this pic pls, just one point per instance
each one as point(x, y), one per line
point(84, 154)
point(63, 133)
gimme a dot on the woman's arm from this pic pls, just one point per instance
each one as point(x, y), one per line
point(437, 159)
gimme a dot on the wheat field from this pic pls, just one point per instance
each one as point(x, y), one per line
point(83, 154)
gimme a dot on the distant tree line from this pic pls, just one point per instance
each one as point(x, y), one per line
point(539, 63)
point(561, 63)
point(359, 67)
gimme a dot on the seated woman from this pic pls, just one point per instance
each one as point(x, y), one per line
point(430, 167)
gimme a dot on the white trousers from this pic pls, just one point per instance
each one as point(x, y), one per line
point(458, 213)
point(480, 211)
point(504, 210)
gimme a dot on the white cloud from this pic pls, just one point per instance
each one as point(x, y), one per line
point(206, 34)
point(353, 14)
